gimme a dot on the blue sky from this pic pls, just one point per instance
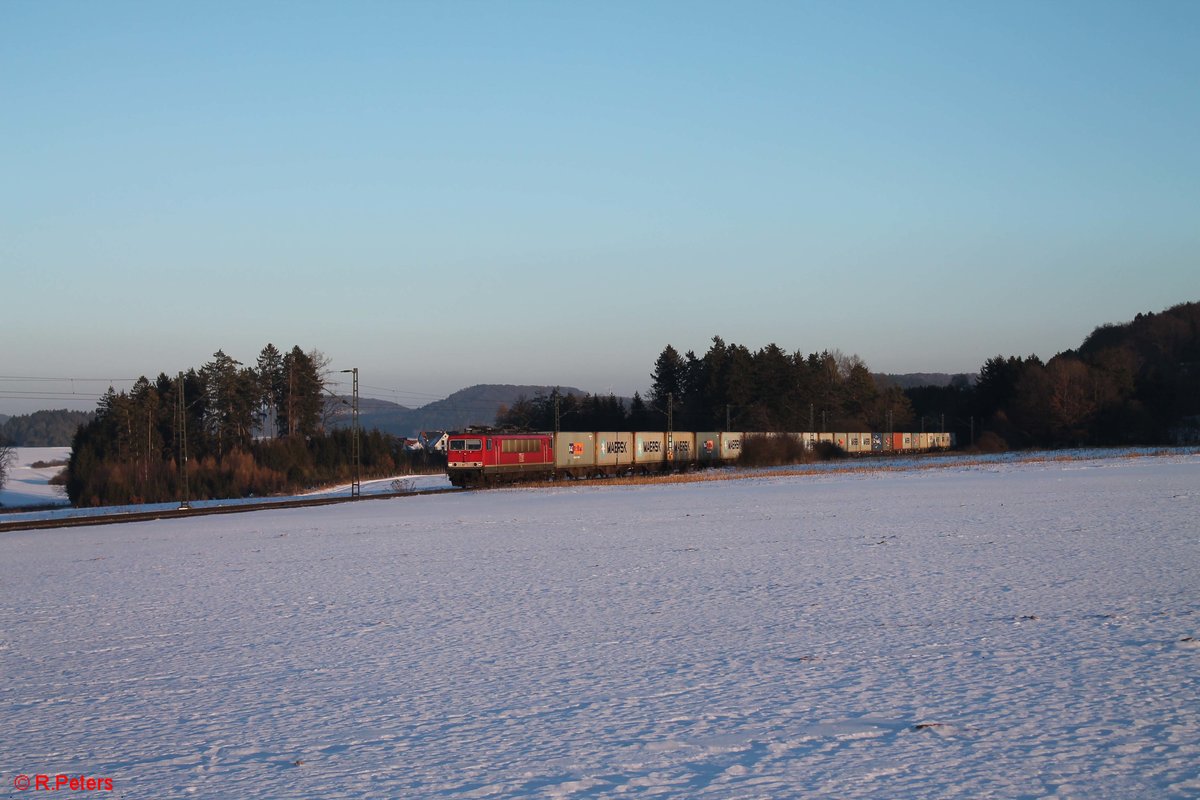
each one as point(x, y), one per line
point(443, 194)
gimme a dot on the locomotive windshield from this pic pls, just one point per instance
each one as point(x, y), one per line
point(466, 444)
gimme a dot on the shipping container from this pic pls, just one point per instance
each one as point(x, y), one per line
point(860, 442)
point(681, 447)
point(575, 452)
point(649, 448)
point(708, 447)
point(614, 450)
point(714, 446)
point(731, 446)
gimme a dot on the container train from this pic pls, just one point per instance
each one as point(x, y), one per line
point(488, 458)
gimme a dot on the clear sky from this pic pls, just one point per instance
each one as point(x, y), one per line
point(450, 193)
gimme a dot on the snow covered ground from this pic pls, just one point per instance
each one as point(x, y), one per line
point(30, 486)
point(1004, 630)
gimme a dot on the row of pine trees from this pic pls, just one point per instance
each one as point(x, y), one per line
point(731, 387)
point(243, 430)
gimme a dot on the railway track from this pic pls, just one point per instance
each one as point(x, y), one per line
point(197, 511)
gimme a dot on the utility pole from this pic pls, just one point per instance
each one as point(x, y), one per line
point(355, 443)
point(670, 425)
point(183, 457)
point(146, 461)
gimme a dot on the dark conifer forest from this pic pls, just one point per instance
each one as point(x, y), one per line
point(733, 388)
point(1136, 383)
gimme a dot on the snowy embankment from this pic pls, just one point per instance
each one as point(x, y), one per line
point(28, 488)
point(1017, 630)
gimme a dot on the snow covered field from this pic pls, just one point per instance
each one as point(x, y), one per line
point(1011, 630)
point(28, 485)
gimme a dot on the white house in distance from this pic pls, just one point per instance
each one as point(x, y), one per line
point(434, 441)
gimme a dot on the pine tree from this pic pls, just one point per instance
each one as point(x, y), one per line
point(861, 399)
point(668, 377)
point(270, 375)
point(303, 395)
point(233, 398)
point(773, 384)
point(639, 415)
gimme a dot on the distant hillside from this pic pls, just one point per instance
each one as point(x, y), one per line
point(914, 380)
point(476, 405)
point(43, 428)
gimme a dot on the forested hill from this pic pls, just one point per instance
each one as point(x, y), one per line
point(475, 405)
point(1132, 383)
point(912, 380)
point(42, 428)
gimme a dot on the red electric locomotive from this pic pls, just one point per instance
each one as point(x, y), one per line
point(491, 458)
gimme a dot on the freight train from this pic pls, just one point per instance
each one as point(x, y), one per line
point(482, 458)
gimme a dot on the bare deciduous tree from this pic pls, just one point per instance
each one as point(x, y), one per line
point(7, 455)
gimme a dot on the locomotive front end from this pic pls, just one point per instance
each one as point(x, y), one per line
point(464, 460)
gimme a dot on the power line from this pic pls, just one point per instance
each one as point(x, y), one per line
point(73, 398)
point(398, 391)
point(59, 394)
point(65, 380)
point(78, 397)
point(393, 394)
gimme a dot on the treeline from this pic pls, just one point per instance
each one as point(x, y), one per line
point(1135, 383)
point(261, 429)
point(1132, 384)
point(43, 428)
point(731, 387)
point(245, 431)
